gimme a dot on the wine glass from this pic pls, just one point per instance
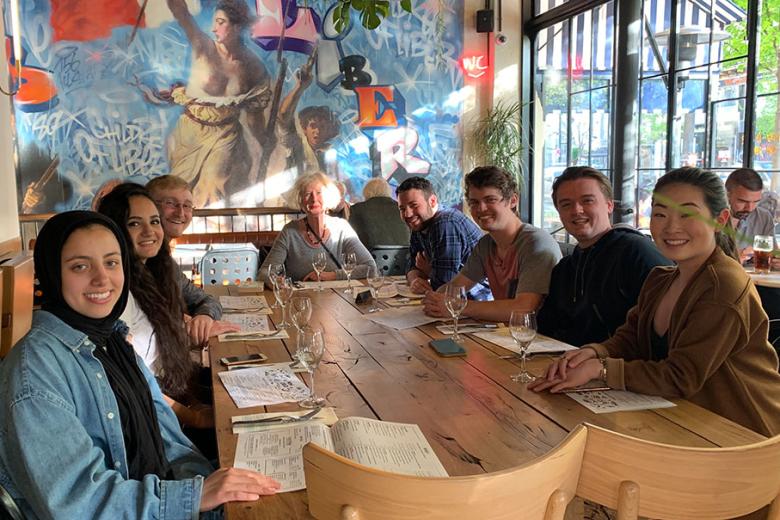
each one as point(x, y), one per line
point(300, 312)
point(283, 290)
point(348, 264)
point(522, 326)
point(309, 353)
point(455, 301)
point(274, 272)
point(376, 280)
point(319, 264)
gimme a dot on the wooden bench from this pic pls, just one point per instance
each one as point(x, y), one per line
point(260, 239)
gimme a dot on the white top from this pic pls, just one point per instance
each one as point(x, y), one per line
point(141, 335)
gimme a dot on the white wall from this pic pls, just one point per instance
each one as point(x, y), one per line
point(9, 221)
point(503, 59)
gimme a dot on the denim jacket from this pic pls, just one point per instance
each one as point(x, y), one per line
point(62, 453)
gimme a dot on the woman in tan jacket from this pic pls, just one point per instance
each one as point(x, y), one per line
point(698, 331)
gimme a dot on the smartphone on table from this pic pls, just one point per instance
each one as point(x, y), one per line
point(447, 347)
point(247, 359)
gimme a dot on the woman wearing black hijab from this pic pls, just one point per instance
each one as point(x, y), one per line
point(84, 430)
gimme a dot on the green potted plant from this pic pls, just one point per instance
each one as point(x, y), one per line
point(496, 139)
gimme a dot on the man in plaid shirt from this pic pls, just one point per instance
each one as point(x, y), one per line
point(441, 241)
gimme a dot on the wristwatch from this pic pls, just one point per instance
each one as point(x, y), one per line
point(603, 372)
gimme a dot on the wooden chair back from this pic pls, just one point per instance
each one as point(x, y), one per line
point(648, 479)
point(338, 488)
point(17, 299)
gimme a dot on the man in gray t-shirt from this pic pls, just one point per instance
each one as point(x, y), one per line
point(517, 258)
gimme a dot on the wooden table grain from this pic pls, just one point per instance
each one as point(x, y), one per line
point(475, 417)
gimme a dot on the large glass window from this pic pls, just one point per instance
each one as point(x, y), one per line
point(573, 86)
point(696, 89)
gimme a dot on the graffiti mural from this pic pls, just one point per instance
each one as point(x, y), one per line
point(238, 97)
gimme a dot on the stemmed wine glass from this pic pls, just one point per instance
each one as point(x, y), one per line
point(348, 264)
point(274, 272)
point(455, 301)
point(283, 290)
point(300, 312)
point(319, 263)
point(309, 353)
point(375, 281)
point(522, 325)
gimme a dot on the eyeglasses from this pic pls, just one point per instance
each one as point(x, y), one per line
point(175, 204)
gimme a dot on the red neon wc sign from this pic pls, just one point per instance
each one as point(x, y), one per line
point(474, 66)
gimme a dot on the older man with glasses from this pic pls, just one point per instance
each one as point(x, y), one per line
point(174, 201)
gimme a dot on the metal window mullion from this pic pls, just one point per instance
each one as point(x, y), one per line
point(754, 10)
point(671, 94)
point(709, 126)
point(528, 71)
point(568, 96)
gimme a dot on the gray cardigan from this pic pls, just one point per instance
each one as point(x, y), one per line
point(292, 250)
point(196, 300)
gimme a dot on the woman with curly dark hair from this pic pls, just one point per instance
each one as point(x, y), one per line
point(152, 287)
point(155, 310)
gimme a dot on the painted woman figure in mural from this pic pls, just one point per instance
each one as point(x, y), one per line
point(207, 148)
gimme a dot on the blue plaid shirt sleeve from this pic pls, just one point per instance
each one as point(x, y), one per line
point(450, 239)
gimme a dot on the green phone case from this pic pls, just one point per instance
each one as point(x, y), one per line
point(447, 347)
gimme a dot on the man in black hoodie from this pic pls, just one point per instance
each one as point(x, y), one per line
point(592, 290)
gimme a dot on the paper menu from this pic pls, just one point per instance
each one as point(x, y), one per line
point(540, 345)
point(401, 317)
point(618, 401)
point(262, 386)
point(396, 447)
point(464, 328)
point(406, 291)
point(249, 322)
point(278, 453)
point(328, 284)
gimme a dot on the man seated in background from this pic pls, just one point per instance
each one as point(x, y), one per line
point(516, 257)
point(744, 187)
point(174, 201)
point(592, 290)
point(376, 219)
point(441, 239)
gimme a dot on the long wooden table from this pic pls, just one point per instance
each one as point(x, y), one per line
point(476, 418)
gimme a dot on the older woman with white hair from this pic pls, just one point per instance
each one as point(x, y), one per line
point(300, 241)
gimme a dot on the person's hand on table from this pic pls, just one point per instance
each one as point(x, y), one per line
point(745, 254)
point(223, 327)
point(324, 276)
point(433, 305)
point(199, 328)
point(235, 485)
point(420, 285)
point(423, 263)
point(574, 368)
